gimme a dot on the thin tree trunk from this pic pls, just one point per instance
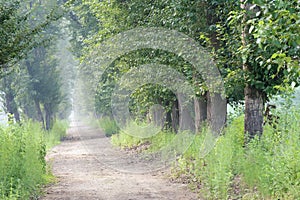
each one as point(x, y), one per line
point(200, 112)
point(10, 103)
point(48, 116)
point(175, 116)
point(168, 122)
point(40, 113)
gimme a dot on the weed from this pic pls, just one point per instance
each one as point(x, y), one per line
point(267, 168)
point(22, 158)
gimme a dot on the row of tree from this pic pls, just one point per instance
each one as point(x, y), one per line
point(34, 82)
point(255, 44)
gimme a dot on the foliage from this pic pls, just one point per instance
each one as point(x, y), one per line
point(268, 168)
point(36, 88)
point(272, 45)
point(18, 37)
point(110, 17)
point(109, 126)
point(23, 167)
point(126, 137)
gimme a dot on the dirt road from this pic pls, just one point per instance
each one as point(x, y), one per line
point(89, 167)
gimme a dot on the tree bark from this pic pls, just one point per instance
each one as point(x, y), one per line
point(48, 116)
point(10, 103)
point(200, 112)
point(216, 111)
point(175, 116)
point(254, 98)
point(186, 113)
point(254, 107)
point(157, 115)
point(40, 113)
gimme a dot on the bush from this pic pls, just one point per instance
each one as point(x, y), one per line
point(269, 167)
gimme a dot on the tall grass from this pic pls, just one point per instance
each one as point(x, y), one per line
point(109, 126)
point(267, 168)
point(23, 168)
point(106, 124)
point(136, 134)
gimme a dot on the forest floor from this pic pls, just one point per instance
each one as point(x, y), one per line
point(88, 167)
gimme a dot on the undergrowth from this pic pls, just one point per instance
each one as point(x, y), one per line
point(108, 126)
point(267, 168)
point(23, 167)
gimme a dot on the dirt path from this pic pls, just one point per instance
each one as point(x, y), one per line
point(88, 167)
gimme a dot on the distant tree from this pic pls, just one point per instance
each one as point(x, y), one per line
point(29, 34)
point(18, 36)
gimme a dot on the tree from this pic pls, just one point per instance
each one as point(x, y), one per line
point(191, 18)
point(18, 37)
point(269, 52)
point(36, 89)
point(9, 93)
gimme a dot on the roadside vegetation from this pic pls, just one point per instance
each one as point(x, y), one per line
point(253, 45)
point(267, 168)
point(23, 168)
point(35, 93)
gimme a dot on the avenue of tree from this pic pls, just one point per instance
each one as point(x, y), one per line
point(255, 45)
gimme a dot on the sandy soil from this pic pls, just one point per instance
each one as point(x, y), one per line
point(88, 167)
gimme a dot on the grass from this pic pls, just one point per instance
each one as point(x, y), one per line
point(134, 135)
point(108, 125)
point(23, 167)
point(267, 168)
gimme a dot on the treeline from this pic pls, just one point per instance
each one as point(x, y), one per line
point(36, 77)
point(35, 82)
point(255, 45)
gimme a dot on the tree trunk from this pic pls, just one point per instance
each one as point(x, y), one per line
point(48, 116)
point(254, 107)
point(39, 113)
point(168, 122)
point(157, 115)
point(216, 111)
point(186, 113)
point(11, 107)
point(200, 112)
point(10, 103)
point(254, 98)
point(175, 116)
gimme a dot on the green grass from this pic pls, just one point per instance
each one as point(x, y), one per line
point(23, 167)
point(136, 134)
point(57, 132)
point(109, 126)
point(267, 168)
